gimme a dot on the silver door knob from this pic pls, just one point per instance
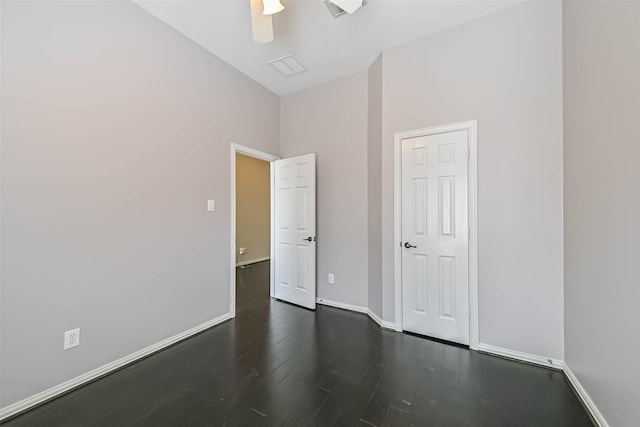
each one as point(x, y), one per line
point(409, 245)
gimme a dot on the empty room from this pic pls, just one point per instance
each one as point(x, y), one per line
point(319, 213)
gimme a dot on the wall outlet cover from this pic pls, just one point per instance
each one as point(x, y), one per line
point(71, 338)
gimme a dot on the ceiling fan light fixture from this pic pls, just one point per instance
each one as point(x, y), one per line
point(349, 6)
point(271, 7)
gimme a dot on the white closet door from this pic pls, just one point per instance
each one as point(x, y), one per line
point(435, 245)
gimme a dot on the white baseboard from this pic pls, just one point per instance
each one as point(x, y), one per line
point(43, 396)
point(358, 309)
point(523, 357)
point(252, 261)
point(593, 409)
point(342, 305)
point(385, 324)
point(550, 363)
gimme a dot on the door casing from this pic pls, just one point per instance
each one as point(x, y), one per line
point(471, 128)
point(247, 151)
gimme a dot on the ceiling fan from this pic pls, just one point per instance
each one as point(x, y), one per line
point(263, 10)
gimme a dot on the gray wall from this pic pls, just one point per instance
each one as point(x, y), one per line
point(115, 132)
point(602, 203)
point(374, 184)
point(116, 129)
point(331, 120)
point(504, 70)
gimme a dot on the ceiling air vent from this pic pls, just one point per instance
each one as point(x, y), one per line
point(288, 65)
point(337, 10)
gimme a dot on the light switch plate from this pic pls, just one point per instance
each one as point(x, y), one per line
point(332, 278)
point(211, 205)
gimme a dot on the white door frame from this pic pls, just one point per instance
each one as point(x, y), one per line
point(472, 131)
point(251, 152)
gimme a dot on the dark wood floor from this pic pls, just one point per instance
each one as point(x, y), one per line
point(279, 365)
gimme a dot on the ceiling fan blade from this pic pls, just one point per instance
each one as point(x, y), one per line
point(262, 25)
point(348, 6)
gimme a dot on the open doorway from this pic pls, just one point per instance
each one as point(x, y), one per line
point(292, 221)
point(253, 211)
point(251, 222)
point(253, 229)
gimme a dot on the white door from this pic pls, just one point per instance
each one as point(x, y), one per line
point(295, 230)
point(435, 293)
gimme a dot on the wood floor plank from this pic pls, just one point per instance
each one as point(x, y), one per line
point(276, 364)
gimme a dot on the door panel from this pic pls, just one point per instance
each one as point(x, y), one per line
point(435, 292)
point(295, 206)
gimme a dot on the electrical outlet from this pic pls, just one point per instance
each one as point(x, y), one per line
point(211, 205)
point(332, 278)
point(243, 251)
point(71, 338)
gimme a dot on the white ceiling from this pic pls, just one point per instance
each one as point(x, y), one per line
point(327, 47)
